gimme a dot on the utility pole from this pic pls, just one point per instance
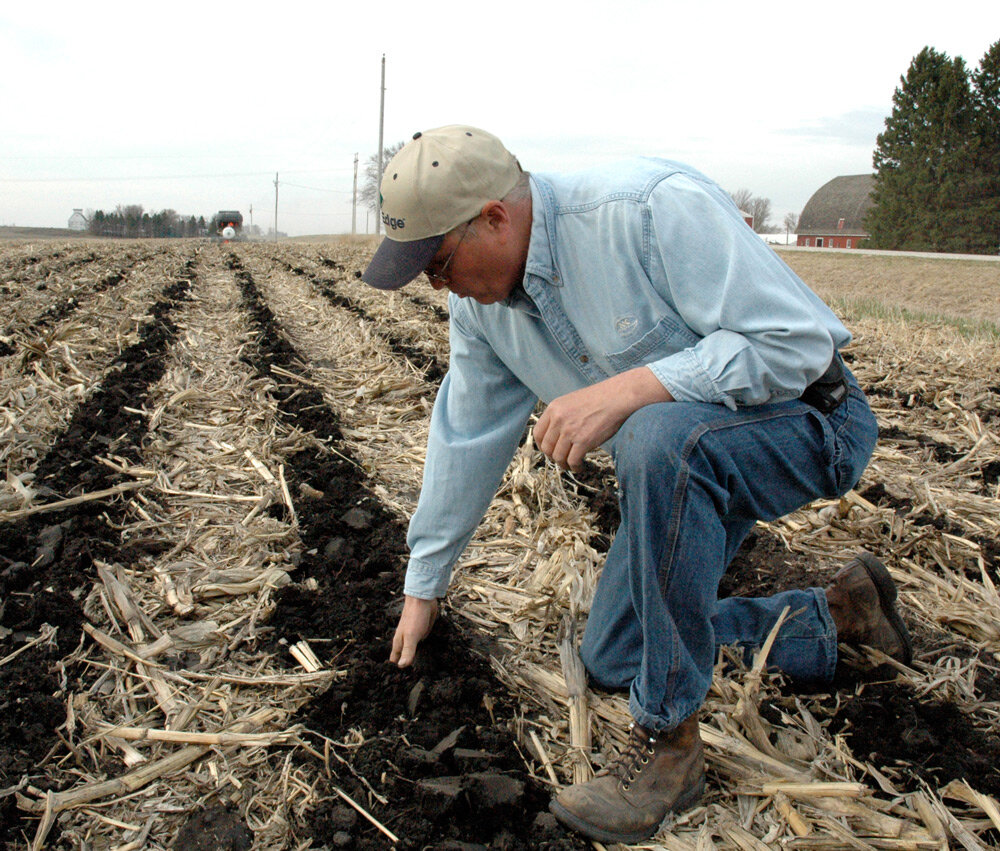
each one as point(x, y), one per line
point(381, 121)
point(354, 206)
point(276, 206)
point(251, 220)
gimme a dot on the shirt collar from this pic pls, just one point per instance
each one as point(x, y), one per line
point(520, 300)
point(541, 260)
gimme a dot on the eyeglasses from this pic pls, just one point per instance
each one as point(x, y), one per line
point(440, 275)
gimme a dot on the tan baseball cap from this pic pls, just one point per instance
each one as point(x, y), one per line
point(437, 181)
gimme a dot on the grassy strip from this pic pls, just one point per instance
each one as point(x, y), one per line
point(867, 306)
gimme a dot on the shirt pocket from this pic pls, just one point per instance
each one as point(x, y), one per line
point(666, 337)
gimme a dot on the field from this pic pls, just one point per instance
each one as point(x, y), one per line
point(210, 453)
point(11, 233)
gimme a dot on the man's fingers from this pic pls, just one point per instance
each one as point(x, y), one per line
point(407, 654)
point(546, 439)
point(540, 429)
point(562, 451)
point(550, 438)
point(404, 649)
point(397, 647)
point(415, 623)
point(574, 461)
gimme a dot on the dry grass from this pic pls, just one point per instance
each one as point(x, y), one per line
point(362, 239)
point(920, 286)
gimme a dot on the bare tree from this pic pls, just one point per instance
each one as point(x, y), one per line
point(791, 222)
point(368, 193)
point(759, 208)
point(743, 199)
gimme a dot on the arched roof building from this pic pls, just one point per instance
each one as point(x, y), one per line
point(78, 221)
point(834, 216)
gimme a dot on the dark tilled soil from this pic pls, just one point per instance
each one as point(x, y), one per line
point(47, 565)
point(437, 742)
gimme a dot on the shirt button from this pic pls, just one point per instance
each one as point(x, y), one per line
point(584, 359)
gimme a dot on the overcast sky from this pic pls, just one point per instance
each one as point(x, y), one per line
point(196, 106)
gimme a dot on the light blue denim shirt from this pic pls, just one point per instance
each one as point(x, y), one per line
point(645, 262)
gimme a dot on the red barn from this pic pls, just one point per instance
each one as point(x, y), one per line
point(834, 216)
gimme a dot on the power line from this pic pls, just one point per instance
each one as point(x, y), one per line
point(103, 179)
point(131, 177)
point(316, 188)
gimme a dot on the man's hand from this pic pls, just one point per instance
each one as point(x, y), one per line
point(580, 421)
point(414, 626)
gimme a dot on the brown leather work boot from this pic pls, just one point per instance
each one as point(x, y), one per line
point(657, 774)
point(862, 600)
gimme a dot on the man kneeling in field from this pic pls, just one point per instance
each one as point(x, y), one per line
point(634, 301)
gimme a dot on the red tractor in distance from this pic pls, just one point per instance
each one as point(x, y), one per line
point(228, 224)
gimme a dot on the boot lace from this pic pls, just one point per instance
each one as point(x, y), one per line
point(636, 755)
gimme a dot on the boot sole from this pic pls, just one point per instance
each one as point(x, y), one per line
point(879, 575)
point(574, 822)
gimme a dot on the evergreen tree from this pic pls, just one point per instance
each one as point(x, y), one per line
point(986, 95)
point(937, 164)
point(97, 223)
point(923, 160)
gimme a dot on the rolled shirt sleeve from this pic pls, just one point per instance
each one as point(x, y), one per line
point(765, 336)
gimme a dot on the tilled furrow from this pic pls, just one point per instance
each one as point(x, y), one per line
point(204, 548)
point(35, 264)
point(68, 364)
point(38, 304)
point(48, 559)
point(357, 581)
point(413, 347)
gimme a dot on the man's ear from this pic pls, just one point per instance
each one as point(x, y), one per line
point(496, 214)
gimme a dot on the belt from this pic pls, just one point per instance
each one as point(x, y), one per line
point(828, 392)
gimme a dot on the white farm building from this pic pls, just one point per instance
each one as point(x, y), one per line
point(78, 221)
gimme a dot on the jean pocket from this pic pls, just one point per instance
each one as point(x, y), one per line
point(829, 452)
point(855, 438)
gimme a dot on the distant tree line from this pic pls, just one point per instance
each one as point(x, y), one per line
point(937, 163)
point(131, 221)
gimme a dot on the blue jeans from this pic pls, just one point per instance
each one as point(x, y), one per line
point(693, 480)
